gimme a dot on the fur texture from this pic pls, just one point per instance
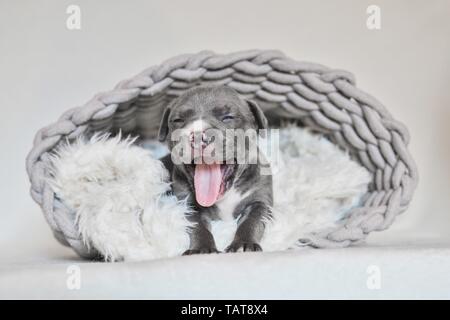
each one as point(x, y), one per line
point(118, 191)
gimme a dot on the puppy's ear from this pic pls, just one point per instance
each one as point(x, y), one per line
point(164, 125)
point(260, 118)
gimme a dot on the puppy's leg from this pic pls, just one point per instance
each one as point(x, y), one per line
point(202, 241)
point(250, 228)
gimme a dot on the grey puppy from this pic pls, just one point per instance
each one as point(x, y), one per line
point(225, 189)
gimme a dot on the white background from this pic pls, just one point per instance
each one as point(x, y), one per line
point(46, 68)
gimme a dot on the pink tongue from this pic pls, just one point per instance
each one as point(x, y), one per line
point(207, 180)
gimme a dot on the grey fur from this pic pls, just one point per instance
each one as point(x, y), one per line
point(209, 104)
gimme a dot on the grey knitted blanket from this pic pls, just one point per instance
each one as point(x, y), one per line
point(324, 99)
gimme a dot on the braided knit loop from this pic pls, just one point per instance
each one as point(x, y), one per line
point(324, 99)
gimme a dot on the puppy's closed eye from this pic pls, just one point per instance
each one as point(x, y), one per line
point(178, 120)
point(227, 118)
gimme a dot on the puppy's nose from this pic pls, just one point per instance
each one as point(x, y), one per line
point(198, 139)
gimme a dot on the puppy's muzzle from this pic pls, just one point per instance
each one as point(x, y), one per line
point(199, 140)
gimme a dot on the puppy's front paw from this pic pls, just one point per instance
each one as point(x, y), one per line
point(201, 250)
point(245, 245)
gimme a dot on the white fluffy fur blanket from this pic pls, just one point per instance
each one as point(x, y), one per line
point(118, 191)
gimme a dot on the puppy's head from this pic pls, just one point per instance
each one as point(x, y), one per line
point(204, 128)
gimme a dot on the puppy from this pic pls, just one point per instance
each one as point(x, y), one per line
point(219, 179)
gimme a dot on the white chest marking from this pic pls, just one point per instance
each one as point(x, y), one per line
point(228, 203)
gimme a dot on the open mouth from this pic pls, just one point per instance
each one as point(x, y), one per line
point(211, 181)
